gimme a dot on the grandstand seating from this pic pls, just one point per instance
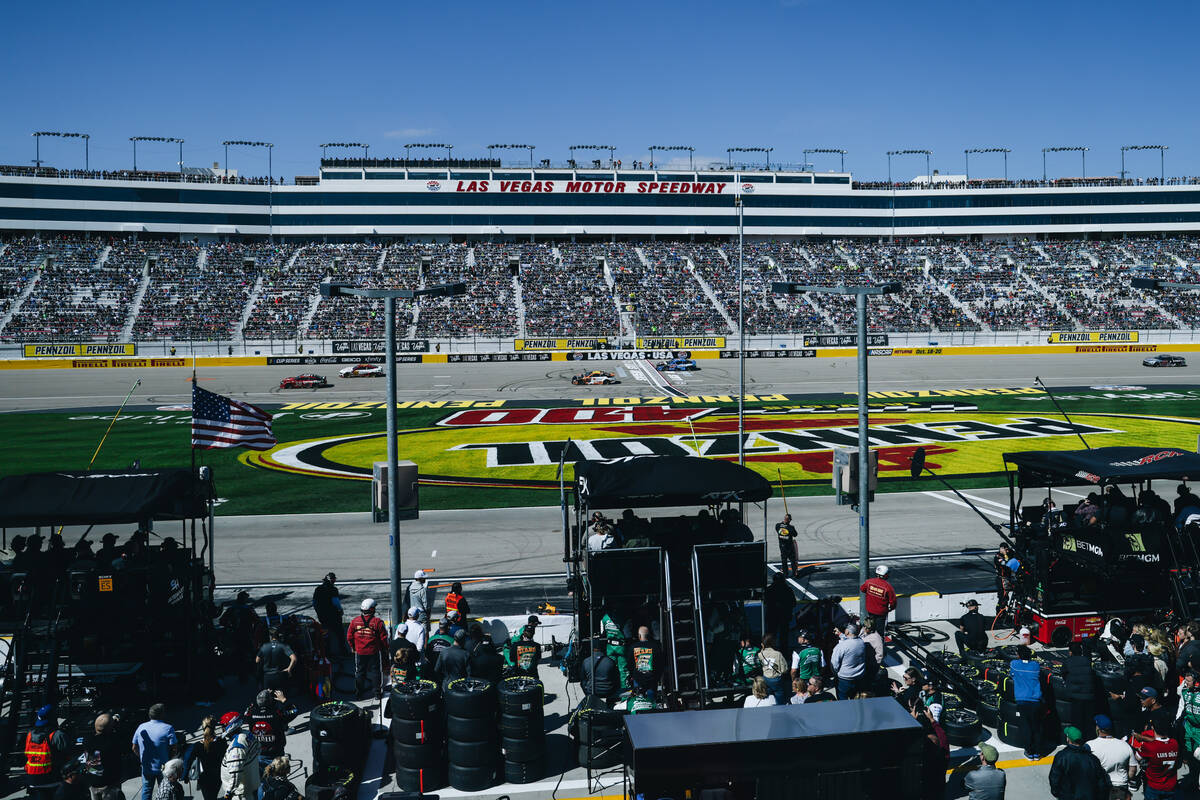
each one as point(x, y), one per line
point(201, 292)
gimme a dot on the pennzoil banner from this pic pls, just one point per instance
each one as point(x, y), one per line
point(76, 350)
point(681, 343)
point(1089, 337)
point(592, 343)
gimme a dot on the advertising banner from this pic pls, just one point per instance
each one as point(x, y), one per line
point(75, 350)
point(1087, 337)
point(587, 343)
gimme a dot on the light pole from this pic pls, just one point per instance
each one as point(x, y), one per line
point(37, 145)
point(170, 139)
point(672, 148)
point(270, 179)
point(344, 144)
point(389, 296)
point(864, 484)
point(528, 147)
point(1161, 148)
point(967, 156)
point(1072, 149)
point(434, 146)
point(612, 151)
point(892, 186)
point(764, 150)
point(829, 151)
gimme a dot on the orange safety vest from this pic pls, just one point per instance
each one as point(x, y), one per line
point(452, 602)
point(38, 760)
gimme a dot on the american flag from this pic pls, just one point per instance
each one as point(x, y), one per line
point(224, 422)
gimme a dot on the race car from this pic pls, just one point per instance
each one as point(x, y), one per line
point(677, 365)
point(362, 371)
point(305, 381)
point(1164, 360)
point(595, 377)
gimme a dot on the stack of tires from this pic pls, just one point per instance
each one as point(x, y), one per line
point(598, 733)
point(522, 729)
point(418, 733)
point(472, 744)
point(340, 740)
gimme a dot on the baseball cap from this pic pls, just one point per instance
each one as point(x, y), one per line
point(972, 603)
point(402, 628)
point(805, 632)
point(533, 620)
point(990, 754)
point(1148, 693)
point(1073, 734)
point(43, 716)
point(367, 605)
point(935, 710)
point(413, 613)
point(460, 636)
point(881, 570)
point(444, 622)
point(1103, 722)
point(419, 575)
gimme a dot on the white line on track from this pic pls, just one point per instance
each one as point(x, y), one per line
point(956, 502)
point(979, 499)
point(657, 379)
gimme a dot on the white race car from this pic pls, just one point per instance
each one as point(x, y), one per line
point(362, 371)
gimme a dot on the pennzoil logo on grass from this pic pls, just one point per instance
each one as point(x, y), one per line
point(522, 447)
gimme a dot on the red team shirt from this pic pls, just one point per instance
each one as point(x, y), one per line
point(881, 597)
point(1160, 760)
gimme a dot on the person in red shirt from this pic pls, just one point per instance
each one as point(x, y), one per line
point(367, 638)
point(1159, 754)
point(881, 598)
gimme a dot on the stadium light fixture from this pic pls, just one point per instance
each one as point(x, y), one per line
point(528, 147)
point(764, 150)
point(967, 158)
point(612, 158)
point(674, 148)
point(37, 145)
point(829, 151)
point(1161, 148)
point(1157, 285)
point(864, 477)
point(389, 296)
point(434, 146)
point(270, 179)
point(327, 145)
point(892, 186)
point(170, 139)
point(1071, 149)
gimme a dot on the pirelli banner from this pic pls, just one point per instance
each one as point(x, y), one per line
point(595, 343)
point(682, 343)
point(1092, 337)
point(75, 350)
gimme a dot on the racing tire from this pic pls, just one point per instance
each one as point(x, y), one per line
point(944, 657)
point(472, 754)
point(322, 784)
point(1008, 711)
point(601, 755)
point(966, 671)
point(421, 780)
point(522, 750)
point(336, 721)
point(514, 726)
point(525, 771)
point(983, 687)
point(417, 731)
point(472, 779)
point(521, 695)
point(1058, 685)
point(989, 710)
point(337, 754)
point(1010, 733)
point(416, 700)
point(471, 729)
point(962, 727)
point(472, 698)
point(417, 756)
point(974, 658)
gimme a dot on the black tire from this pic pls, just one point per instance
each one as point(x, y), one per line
point(1005, 688)
point(525, 772)
point(1111, 675)
point(962, 727)
point(336, 721)
point(951, 700)
point(417, 756)
point(967, 671)
point(1058, 685)
point(324, 782)
point(417, 731)
point(944, 657)
point(521, 695)
point(472, 779)
point(472, 754)
point(469, 729)
point(994, 673)
point(1009, 711)
point(514, 726)
point(1063, 710)
point(421, 780)
point(1010, 733)
point(522, 750)
point(973, 658)
point(472, 698)
point(601, 756)
point(416, 700)
point(344, 755)
point(989, 710)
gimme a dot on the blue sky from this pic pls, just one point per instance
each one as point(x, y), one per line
point(789, 74)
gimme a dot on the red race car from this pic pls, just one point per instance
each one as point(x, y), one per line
point(305, 381)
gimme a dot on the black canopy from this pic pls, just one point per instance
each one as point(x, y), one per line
point(644, 481)
point(1103, 465)
point(95, 498)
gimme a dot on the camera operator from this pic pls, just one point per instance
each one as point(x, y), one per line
point(972, 630)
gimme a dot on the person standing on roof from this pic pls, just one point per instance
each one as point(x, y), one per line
point(367, 639)
point(881, 598)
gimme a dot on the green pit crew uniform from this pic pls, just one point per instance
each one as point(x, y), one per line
point(615, 637)
point(748, 665)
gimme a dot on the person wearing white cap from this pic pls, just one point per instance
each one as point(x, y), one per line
point(367, 638)
point(417, 596)
point(414, 632)
point(881, 598)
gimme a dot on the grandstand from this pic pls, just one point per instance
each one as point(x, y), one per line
point(73, 288)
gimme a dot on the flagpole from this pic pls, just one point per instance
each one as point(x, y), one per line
point(112, 422)
point(190, 439)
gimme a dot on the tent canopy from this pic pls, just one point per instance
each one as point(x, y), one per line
point(101, 498)
point(655, 481)
point(1103, 465)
